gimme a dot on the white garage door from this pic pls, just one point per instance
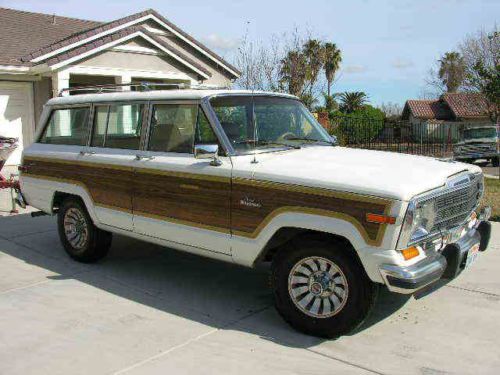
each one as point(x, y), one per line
point(16, 115)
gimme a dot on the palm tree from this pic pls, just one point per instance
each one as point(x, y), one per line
point(293, 72)
point(352, 101)
point(332, 60)
point(314, 54)
point(330, 102)
point(452, 71)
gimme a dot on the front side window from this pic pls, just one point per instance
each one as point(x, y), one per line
point(118, 126)
point(267, 122)
point(67, 127)
point(173, 127)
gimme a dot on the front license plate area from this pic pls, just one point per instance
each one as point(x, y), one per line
point(472, 255)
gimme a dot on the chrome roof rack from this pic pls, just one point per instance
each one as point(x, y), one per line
point(139, 86)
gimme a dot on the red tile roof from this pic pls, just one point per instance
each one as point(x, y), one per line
point(427, 109)
point(450, 106)
point(467, 105)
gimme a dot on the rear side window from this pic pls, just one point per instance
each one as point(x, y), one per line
point(67, 127)
point(118, 126)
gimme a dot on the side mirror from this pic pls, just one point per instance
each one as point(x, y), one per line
point(208, 152)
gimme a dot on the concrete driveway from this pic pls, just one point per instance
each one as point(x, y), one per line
point(148, 310)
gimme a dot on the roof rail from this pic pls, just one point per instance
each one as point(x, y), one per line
point(144, 86)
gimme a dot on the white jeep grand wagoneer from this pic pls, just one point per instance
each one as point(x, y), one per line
point(251, 177)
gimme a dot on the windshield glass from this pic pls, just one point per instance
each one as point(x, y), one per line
point(279, 122)
point(480, 133)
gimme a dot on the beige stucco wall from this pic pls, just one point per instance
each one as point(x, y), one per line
point(161, 63)
point(42, 91)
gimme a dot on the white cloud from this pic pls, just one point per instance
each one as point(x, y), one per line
point(354, 69)
point(221, 43)
point(402, 63)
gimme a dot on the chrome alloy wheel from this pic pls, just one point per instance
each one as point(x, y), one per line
point(75, 228)
point(318, 287)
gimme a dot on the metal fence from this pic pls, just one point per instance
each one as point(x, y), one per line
point(425, 138)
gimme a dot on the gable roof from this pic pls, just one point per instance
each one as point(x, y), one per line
point(97, 34)
point(22, 32)
point(427, 109)
point(450, 106)
point(93, 47)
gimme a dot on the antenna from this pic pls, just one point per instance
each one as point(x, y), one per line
point(255, 132)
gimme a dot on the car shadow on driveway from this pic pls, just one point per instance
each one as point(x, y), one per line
point(217, 294)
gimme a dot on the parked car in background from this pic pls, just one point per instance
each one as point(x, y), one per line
point(250, 177)
point(480, 142)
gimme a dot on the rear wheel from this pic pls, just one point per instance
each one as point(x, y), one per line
point(320, 289)
point(81, 239)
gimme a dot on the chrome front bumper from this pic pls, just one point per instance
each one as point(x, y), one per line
point(444, 265)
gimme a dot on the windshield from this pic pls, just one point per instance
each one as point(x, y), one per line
point(279, 122)
point(480, 133)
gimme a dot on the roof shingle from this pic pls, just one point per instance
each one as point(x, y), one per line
point(23, 32)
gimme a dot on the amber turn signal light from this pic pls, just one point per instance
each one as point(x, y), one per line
point(380, 219)
point(410, 253)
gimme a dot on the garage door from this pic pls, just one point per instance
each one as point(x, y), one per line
point(16, 115)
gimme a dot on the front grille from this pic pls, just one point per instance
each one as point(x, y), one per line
point(454, 205)
point(473, 148)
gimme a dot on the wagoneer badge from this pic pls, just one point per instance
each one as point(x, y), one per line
point(249, 202)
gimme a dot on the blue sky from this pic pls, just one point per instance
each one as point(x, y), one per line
point(387, 46)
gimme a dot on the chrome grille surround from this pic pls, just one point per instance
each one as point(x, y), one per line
point(454, 202)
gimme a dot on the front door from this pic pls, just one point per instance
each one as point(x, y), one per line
point(177, 197)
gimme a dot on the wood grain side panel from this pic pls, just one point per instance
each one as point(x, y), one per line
point(276, 198)
point(188, 199)
point(106, 186)
point(211, 202)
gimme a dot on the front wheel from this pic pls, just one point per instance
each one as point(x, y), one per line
point(494, 161)
point(320, 289)
point(81, 239)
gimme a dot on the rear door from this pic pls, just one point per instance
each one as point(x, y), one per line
point(177, 197)
point(115, 141)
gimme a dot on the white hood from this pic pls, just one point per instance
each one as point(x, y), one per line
point(377, 173)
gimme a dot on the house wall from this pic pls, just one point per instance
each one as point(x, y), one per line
point(42, 92)
point(136, 61)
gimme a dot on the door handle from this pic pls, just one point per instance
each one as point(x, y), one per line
point(83, 153)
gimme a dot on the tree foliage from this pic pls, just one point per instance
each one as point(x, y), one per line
point(352, 101)
point(481, 54)
point(333, 58)
point(291, 63)
point(452, 71)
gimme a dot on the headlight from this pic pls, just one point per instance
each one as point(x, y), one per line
point(457, 149)
point(418, 222)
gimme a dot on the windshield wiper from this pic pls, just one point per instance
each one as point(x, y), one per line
point(307, 139)
point(267, 143)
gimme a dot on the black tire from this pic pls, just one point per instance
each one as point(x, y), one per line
point(94, 245)
point(361, 296)
point(494, 161)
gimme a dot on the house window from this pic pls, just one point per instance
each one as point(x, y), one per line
point(118, 126)
point(67, 127)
